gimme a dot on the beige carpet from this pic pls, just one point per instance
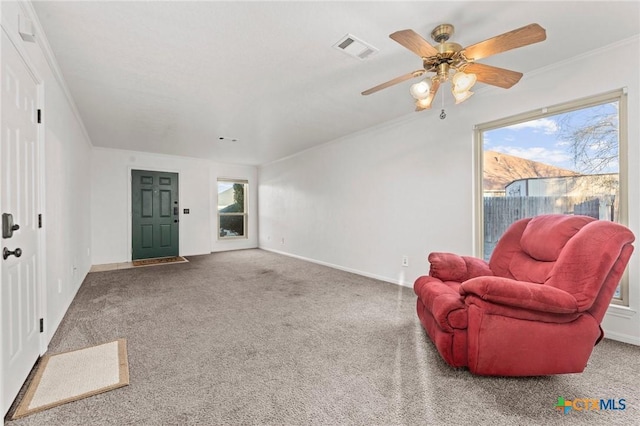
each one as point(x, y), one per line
point(159, 261)
point(249, 337)
point(74, 375)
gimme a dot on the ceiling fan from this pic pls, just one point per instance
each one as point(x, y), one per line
point(449, 57)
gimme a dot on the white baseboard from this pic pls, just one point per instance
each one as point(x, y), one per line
point(620, 337)
point(341, 268)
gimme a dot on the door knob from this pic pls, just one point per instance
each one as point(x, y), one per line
point(8, 226)
point(6, 253)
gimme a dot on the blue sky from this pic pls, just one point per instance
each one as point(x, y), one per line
point(224, 186)
point(541, 139)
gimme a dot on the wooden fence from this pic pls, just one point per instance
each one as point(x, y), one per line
point(588, 208)
point(501, 212)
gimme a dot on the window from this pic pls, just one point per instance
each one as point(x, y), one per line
point(567, 159)
point(232, 208)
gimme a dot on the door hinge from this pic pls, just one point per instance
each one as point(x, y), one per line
point(41, 325)
point(40, 220)
point(39, 116)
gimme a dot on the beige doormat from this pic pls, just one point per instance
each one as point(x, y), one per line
point(159, 261)
point(74, 375)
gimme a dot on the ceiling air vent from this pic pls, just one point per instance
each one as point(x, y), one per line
point(353, 46)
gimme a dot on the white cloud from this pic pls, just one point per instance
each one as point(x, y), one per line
point(599, 145)
point(545, 125)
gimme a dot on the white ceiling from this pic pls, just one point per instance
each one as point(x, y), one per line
point(173, 77)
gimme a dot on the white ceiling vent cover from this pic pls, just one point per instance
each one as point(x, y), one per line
point(353, 46)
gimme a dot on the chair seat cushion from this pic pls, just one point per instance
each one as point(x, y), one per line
point(521, 294)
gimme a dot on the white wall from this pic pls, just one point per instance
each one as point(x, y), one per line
point(406, 188)
point(111, 202)
point(363, 202)
point(67, 148)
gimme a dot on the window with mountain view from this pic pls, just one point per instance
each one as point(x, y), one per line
point(232, 209)
point(564, 159)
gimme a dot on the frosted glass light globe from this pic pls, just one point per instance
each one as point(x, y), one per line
point(420, 90)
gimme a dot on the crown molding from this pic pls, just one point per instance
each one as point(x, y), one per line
point(41, 40)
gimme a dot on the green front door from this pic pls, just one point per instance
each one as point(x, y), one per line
point(154, 201)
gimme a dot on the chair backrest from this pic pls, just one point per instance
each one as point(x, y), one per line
point(578, 254)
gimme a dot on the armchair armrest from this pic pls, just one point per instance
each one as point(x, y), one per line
point(451, 267)
point(521, 294)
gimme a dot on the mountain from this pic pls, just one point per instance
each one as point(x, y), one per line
point(501, 169)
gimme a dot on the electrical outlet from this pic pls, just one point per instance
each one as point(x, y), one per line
point(282, 240)
point(405, 260)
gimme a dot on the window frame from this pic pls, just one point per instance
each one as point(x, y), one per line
point(620, 96)
point(244, 214)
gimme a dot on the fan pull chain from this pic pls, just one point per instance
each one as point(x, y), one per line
point(443, 114)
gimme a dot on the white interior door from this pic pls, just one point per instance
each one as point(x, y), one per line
point(19, 197)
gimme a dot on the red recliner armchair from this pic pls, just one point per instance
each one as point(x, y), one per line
point(536, 307)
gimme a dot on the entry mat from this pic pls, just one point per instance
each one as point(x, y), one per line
point(159, 261)
point(70, 376)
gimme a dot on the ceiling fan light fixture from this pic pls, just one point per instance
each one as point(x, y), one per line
point(423, 103)
point(420, 90)
point(461, 96)
point(449, 60)
point(462, 82)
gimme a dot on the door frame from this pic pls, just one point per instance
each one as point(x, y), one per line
point(130, 207)
point(41, 287)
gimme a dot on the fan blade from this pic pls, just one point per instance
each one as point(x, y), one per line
point(532, 33)
point(396, 80)
point(493, 75)
point(414, 42)
point(426, 103)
